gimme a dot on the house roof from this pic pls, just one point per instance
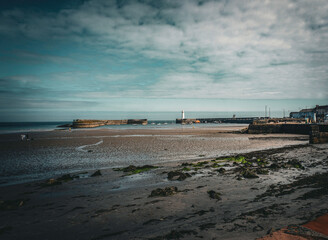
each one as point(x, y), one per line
point(323, 107)
point(307, 110)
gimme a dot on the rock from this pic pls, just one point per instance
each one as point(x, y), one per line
point(96, 173)
point(295, 164)
point(248, 173)
point(262, 171)
point(239, 178)
point(65, 178)
point(221, 170)
point(186, 164)
point(257, 228)
point(214, 195)
point(159, 192)
point(176, 175)
point(271, 230)
point(51, 182)
point(130, 168)
point(274, 166)
point(134, 169)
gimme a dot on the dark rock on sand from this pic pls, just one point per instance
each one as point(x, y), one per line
point(176, 175)
point(248, 173)
point(295, 164)
point(221, 170)
point(135, 169)
point(96, 173)
point(214, 195)
point(159, 192)
point(65, 178)
point(174, 234)
point(262, 171)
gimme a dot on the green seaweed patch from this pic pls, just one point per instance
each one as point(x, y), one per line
point(135, 169)
point(200, 164)
point(261, 162)
point(295, 164)
point(215, 165)
point(186, 169)
point(238, 159)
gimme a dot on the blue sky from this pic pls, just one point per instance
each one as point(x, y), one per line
point(59, 59)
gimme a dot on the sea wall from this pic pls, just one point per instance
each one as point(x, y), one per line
point(87, 123)
point(215, 120)
point(279, 128)
point(317, 136)
point(318, 132)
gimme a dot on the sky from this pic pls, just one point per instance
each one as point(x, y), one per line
point(64, 59)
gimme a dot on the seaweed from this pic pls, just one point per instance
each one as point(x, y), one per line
point(135, 169)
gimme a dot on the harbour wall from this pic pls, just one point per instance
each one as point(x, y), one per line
point(215, 120)
point(318, 132)
point(86, 123)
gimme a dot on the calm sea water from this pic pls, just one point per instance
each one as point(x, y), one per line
point(155, 119)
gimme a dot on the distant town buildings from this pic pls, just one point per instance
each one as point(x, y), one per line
point(318, 114)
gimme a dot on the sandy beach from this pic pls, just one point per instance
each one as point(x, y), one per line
point(211, 183)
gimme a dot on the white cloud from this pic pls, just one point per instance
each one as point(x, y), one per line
point(266, 49)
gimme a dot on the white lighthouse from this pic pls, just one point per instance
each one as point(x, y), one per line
point(182, 115)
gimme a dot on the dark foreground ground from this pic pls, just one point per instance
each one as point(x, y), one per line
point(245, 196)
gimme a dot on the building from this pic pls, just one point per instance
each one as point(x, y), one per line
point(317, 114)
point(322, 112)
point(309, 114)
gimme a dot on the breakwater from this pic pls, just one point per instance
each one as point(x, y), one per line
point(86, 123)
point(215, 120)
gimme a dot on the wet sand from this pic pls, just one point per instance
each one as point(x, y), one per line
point(258, 190)
point(60, 152)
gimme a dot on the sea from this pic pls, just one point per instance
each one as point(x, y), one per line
point(155, 120)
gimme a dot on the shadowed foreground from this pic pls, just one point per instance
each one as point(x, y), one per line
point(243, 196)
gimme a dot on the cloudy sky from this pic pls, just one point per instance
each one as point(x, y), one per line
point(62, 57)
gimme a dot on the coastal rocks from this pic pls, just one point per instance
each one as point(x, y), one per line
point(214, 195)
point(174, 234)
point(176, 175)
point(159, 192)
point(96, 173)
point(248, 173)
point(295, 164)
point(290, 164)
point(65, 178)
point(131, 169)
point(221, 170)
point(262, 171)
